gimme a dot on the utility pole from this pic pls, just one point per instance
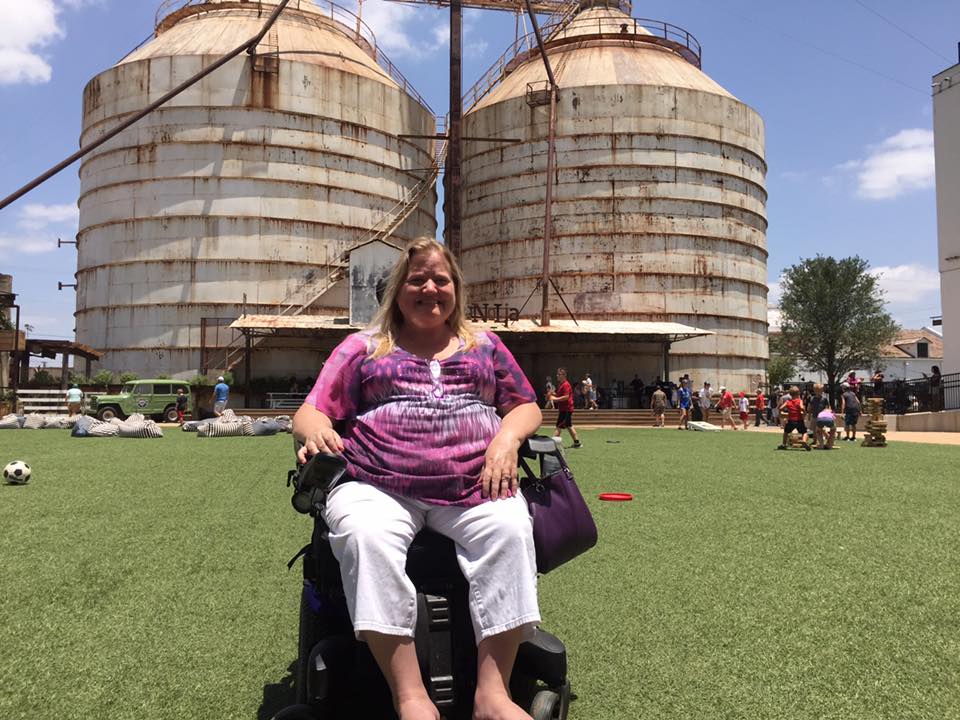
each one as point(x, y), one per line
point(454, 129)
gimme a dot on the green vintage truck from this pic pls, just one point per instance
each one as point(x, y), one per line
point(152, 398)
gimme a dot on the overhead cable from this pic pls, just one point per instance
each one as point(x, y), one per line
point(909, 35)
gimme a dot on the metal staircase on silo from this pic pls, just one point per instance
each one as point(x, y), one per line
point(313, 288)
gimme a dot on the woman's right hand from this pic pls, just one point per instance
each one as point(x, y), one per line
point(323, 440)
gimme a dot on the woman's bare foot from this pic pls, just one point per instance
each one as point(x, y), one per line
point(417, 708)
point(497, 706)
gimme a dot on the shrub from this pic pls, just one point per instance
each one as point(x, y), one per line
point(102, 377)
point(42, 377)
point(128, 377)
point(78, 378)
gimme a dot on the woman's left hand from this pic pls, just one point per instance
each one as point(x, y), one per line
point(498, 478)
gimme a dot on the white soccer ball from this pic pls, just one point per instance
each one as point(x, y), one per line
point(17, 472)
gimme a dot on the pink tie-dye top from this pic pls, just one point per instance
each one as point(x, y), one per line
point(416, 427)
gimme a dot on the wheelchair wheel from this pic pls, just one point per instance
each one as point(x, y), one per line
point(310, 631)
point(545, 705)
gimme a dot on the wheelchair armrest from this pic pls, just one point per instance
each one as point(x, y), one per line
point(537, 445)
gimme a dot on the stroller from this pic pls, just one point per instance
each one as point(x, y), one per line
point(336, 676)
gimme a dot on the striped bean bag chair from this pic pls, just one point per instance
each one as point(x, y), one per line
point(34, 422)
point(57, 422)
point(191, 425)
point(102, 429)
point(265, 426)
point(9, 422)
point(220, 429)
point(81, 428)
point(143, 429)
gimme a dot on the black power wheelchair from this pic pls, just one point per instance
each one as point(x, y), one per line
point(336, 676)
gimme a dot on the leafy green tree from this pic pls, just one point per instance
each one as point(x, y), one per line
point(780, 368)
point(102, 377)
point(833, 316)
point(128, 377)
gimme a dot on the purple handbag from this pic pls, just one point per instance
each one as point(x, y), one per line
point(562, 524)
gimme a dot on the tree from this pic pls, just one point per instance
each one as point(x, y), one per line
point(782, 365)
point(833, 316)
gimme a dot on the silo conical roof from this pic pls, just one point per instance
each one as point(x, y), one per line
point(216, 27)
point(581, 59)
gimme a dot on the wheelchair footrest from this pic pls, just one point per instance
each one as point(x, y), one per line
point(544, 657)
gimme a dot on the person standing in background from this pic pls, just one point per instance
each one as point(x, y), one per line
point(181, 405)
point(589, 393)
point(221, 394)
point(706, 393)
point(658, 403)
point(760, 406)
point(684, 400)
point(548, 392)
point(743, 406)
point(74, 399)
point(850, 408)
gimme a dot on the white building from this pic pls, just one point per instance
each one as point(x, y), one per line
point(911, 356)
point(946, 129)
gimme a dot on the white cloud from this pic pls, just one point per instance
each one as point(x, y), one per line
point(28, 28)
point(774, 317)
point(27, 244)
point(774, 291)
point(900, 164)
point(35, 216)
point(396, 28)
point(908, 284)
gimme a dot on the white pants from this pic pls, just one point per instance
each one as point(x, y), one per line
point(371, 531)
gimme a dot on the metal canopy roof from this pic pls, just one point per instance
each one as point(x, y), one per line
point(625, 329)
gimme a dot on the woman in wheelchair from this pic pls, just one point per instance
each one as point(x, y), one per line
point(431, 416)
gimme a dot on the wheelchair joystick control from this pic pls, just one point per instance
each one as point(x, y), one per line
point(313, 481)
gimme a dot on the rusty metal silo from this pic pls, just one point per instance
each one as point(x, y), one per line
point(659, 202)
point(243, 192)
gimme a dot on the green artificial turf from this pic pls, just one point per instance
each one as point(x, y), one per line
point(147, 579)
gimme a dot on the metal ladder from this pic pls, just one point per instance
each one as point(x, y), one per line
point(313, 288)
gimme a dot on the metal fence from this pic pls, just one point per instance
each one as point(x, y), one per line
point(901, 397)
point(931, 394)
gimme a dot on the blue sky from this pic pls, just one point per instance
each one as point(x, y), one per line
point(843, 86)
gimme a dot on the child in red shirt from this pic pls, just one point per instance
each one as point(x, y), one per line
point(793, 409)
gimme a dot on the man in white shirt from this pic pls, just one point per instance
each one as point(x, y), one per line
point(705, 392)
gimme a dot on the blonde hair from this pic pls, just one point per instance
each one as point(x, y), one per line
point(387, 322)
point(794, 391)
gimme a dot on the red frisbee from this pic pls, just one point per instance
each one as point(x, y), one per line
point(615, 497)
